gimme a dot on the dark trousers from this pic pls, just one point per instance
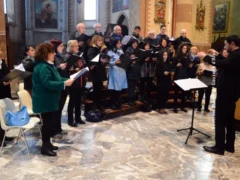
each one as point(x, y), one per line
point(225, 120)
point(115, 96)
point(179, 94)
point(146, 83)
point(1, 134)
point(131, 89)
point(97, 91)
point(75, 101)
point(57, 122)
point(208, 93)
point(47, 128)
point(163, 92)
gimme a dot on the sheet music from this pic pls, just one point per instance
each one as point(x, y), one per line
point(188, 84)
point(126, 39)
point(96, 59)
point(20, 67)
point(79, 73)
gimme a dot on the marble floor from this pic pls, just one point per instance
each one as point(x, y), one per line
point(140, 146)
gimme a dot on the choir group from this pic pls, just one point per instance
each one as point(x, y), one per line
point(139, 62)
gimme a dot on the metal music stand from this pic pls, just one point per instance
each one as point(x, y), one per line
point(188, 85)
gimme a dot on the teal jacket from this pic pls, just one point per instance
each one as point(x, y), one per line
point(47, 87)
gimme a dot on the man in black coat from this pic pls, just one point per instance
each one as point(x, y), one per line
point(182, 39)
point(97, 30)
point(228, 83)
point(151, 38)
point(115, 36)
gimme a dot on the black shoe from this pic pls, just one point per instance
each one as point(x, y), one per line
point(53, 148)
point(72, 124)
point(175, 110)
point(213, 150)
point(228, 149)
point(47, 151)
point(184, 110)
point(199, 109)
point(9, 139)
point(80, 121)
point(207, 110)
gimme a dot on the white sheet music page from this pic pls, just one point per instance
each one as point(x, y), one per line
point(188, 84)
point(79, 73)
point(20, 67)
point(96, 59)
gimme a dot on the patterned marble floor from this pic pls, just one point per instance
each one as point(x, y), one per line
point(140, 146)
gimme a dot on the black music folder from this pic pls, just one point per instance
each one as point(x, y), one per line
point(207, 73)
point(16, 74)
point(125, 61)
point(73, 59)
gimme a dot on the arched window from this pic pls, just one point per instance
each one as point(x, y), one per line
point(90, 10)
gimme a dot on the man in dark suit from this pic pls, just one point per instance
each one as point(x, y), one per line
point(182, 39)
point(115, 36)
point(162, 34)
point(228, 92)
point(98, 30)
point(151, 38)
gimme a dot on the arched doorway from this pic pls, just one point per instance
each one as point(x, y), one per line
point(123, 22)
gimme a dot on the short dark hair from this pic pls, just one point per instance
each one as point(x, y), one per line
point(137, 27)
point(42, 51)
point(163, 25)
point(233, 38)
point(26, 49)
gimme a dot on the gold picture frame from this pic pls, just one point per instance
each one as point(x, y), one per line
point(160, 11)
point(200, 16)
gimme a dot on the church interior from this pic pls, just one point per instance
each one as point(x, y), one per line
point(121, 134)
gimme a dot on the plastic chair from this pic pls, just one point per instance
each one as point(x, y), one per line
point(26, 100)
point(8, 105)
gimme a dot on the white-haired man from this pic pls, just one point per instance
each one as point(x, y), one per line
point(182, 39)
point(115, 36)
point(151, 38)
point(97, 30)
point(81, 37)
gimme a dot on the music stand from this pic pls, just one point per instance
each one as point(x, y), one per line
point(187, 85)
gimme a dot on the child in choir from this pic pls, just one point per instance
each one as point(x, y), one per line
point(117, 80)
point(206, 78)
point(182, 63)
point(133, 71)
point(164, 82)
point(147, 74)
point(77, 89)
point(97, 70)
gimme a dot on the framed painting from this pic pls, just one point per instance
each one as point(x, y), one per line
point(221, 15)
point(46, 14)
point(160, 11)
point(119, 5)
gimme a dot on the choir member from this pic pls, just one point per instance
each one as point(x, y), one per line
point(116, 35)
point(224, 53)
point(46, 93)
point(206, 79)
point(28, 64)
point(163, 73)
point(133, 71)
point(97, 70)
point(195, 61)
point(182, 39)
point(151, 38)
point(77, 89)
point(60, 64)
point(147, 73)
point(182, 63)
point(117, 80)
point(97, 30)
point(136, 33)
point(162, 34)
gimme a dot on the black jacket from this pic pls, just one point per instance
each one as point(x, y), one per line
point(59, 59)
point(138, 37)
point(179, 41)
point(113, 37)
point(182, 72)
point(228, 81)
point(28, 64)
point(5, 91)
point(81, 81)
point(134, 69)
point(98, 34)
point(159, 38)
point(151, 41)
point(162, 79)
point(98, 73)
